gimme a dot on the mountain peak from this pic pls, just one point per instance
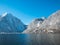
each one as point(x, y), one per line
point(40, 19)
point(43, 18)
point(57, 12)
point(10, 23)
point(6, 14)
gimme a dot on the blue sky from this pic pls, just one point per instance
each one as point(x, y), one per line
point(27, 10)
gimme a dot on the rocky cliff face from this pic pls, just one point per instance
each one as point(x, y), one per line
point(34, 25)
point(51, 24)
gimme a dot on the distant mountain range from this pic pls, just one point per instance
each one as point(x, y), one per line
point(9, 23)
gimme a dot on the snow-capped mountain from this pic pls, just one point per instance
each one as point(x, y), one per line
point(9, 23)
point(34, 25)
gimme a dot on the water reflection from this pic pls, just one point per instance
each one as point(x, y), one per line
point(30, 39)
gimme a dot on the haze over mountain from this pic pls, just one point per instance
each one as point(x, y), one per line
point(51, 24)
point(9, 23)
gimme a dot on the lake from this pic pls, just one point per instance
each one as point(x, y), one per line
point(30, 39)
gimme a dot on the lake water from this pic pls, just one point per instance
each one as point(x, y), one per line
point(30, 39)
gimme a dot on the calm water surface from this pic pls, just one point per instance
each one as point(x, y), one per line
point(30, 39)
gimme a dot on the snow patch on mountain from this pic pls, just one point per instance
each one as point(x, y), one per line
point(4, 14)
